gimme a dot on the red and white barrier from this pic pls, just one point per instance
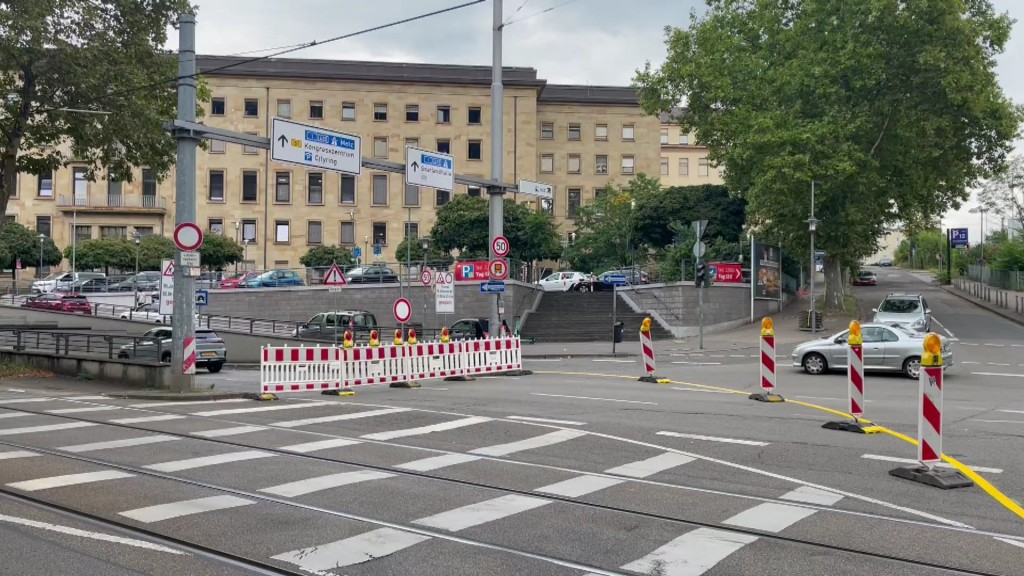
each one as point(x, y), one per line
point(301, 369)
point(854, 384)
point(372, 365)
point(768, 381)
point(647, 352)
point(189, 357)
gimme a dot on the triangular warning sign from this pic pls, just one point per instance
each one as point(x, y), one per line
point(334, 277)
point(169, 270)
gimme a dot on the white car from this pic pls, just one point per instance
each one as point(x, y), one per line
point(62, 280)
point(150, 313)
point(562, 281)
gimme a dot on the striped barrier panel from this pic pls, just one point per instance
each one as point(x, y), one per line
point(490, 356)
point(301, 369)
point(373, 365)
point(434, 360)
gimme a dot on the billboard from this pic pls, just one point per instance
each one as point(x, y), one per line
point(766, 272)
point(726, 272)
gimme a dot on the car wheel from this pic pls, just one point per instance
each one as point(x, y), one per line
point(214, 368)
point(166, 358)
point(815, 363)
point(912, 366)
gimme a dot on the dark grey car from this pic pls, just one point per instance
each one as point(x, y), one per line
point(155, 345)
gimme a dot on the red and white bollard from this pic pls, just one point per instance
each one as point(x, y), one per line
point(647, 350)
point(855, 384)
point(768, 381)
point(189, 357)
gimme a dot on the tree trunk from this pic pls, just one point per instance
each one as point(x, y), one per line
point(834, 288)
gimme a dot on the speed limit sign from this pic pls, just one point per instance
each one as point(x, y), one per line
point(426, 277)
point(500, 246)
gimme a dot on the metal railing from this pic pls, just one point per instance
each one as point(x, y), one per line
point(113, 201)
point(1005, 279)
point(78, 343)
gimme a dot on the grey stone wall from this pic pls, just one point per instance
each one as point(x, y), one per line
point(675, 306)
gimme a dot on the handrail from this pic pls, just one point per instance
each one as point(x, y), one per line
point(110, 345)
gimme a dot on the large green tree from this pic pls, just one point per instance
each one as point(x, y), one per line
point(16, 242)
point(462, 225)
point(63, 57)
point(412, 249)
point(323, 256)
point(608, 230)
point(219, 251)
point(102, 253)
point(892, 107)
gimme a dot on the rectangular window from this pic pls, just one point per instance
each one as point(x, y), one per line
point(664, 135)
point(702, 167)
point(380, 233)
point(83, 233)
point(575, 164)
point(283, 187)
point(315, 188)
point(380, 146)
point(45, 189)
point(475, 150)
point(664, 166)
point(314, 232)
point(348, 232)
point(573, 205)
point(412, 195)
point(475, 115)
point(348, 111)
point(144, 231)
point(412, 113)
point(414, 142)
point(684, 137)
point(148, 188)
point(113, 231)
point(216, 186)
point(442, 197)
point(216, 226)
point(627, 164)
point(281, 232)
point(380, 190)
point(81, 186)
point(316, 110)
point(218, 146)
point(217, 107)
point(348, 189)
point(380, 112)
point(412, 230)
point(284, 108)
point(628, 132)
point(601, 164)
point(444, 114)
point(547, 163)
point(44, 225)
point(17, 186)
point(547, 131)
point(601, 132)
point(473, 191)
point(684, 166)
point(444, 146)
point(249, 231)
point(250, 186)
point(574, 131)
point(252, 107)
point(598, 192)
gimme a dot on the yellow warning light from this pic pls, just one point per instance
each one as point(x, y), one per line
point(933, 344)
point(854, 328)
point(767, 324)
point(645, 326)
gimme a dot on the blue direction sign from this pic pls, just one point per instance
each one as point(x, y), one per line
point(314, 147)
point(615, 279)
point(492, 288)
point(376, 249)
point(357, 251)
point(202, 298)
point(958, 238)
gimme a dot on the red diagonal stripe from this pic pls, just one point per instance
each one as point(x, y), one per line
point(648, 351)
point(766, 384)
point(927, 452)
point(857, 379)
point(854, 407)
point(768, 362)
point(935, 373)
point(932, 414)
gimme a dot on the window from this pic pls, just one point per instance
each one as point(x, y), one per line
point(442, 197)
point(412, 195)
point(249, 231)
point(444, 114)
point(316, 110)
point(45, 189)
point(575, 197)
point(473, 191)
point(250, 149)
point(684, 166)
point(575, 165)
point(284, 108)
point(664, 166)
point(444, 146)
point(144, 230)
point(702, 167)
point(217, 146)
point(314, 232)
point(475, 115)
point(601, 132)
point(547, 163)
point(348, 232)
point(684, 137)
point(348, 111)
point(281, 232)
point(627, 132)
point(315, 188)
point(217, 107)
point(216, 187)
point(414, 142)
point(380, 112)
point(601, 164)
point(574, 131)
point(380, 190)
point(44, 225)
point(627, 164)
point(148, 188)
point(113, 231)
point(547, 131)
point(348, 189)
point(598, 192)
point(252, 107)
point(380, 146)
point(216, 226)
point(547, 205)
point(83, 233)
point(412, 230)
point(475, 150)
point(283, 187)
point(250, 186)
point(664, 135)
point(380, 233)
point(81, 187)
point(412, 113)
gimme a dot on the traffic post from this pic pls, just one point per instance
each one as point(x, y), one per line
point(647, 349)
point(855, 385)
point(929, 424)
point(768, 381)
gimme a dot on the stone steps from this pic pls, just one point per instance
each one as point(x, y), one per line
point(583, 317)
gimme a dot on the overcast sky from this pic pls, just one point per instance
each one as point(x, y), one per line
point(599, 42)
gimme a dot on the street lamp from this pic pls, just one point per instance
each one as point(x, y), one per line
point(42, 238)
point(366, 248)
point(981, 210)
point(135, 279)
point(238, 227)
point(812, 225)
point(245, 250)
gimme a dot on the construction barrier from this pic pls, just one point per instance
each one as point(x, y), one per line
point(647, 352)
point(768, 381)
point(855, 384)
point(288, 369)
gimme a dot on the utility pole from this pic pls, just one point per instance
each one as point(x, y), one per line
point(812, 223)
point(495, 191)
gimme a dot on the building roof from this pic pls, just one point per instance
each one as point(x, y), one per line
point(666, 117)
point(598, 95)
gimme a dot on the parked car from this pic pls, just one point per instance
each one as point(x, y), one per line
point(634, 275)
point(887, 347)
point(372, 274)
point(150, 313)
point(562, 281)
point(237, 280)
point(887, 262)
point(469, 329)
point(90, 285)
point(866, 278)
point(155, 344)
point(274, 279)
point(907, 309)
point(210, 280)
point(51, 282)
point(142, 282)
point(325, 325)
point(59, 303)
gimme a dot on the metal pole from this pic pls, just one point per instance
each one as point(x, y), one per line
point(135, 279)
point(700, 305)
point(408, 268)
point(949, 255)
point(615, 301)
point(74, 244)
point(185, 200)
point(497, 194)
point(40, 271)
point(813, 269)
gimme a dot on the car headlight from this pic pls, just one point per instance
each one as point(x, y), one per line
point(919, 322)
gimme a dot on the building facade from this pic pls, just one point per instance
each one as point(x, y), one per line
point(683, 161)
point(580, 139)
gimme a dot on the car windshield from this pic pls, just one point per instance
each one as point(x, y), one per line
point(899, 306)
point(76, 299)
point(866, 274)
point(206, 335)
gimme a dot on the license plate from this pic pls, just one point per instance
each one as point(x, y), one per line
point(209, 354)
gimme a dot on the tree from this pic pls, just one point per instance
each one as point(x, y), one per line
point(413, 249)
point(219, 251)
point(153, 249)
point(893, 108)
point(463, 225)
point(607, 231)
point(105, 253)
point(99, 55)
point(323, 256)
point(658, 207)
point(17, 241)
point(1001, 193)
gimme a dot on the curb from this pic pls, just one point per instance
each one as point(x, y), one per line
point(980, 304)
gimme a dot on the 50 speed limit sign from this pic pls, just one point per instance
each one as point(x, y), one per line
point(500, 246)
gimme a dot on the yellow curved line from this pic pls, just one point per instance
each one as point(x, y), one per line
point(982, 483)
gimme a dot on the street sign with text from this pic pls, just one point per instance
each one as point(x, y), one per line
point(314, 147)
point(492, 288)
point(166, 287)
point(444, 293)
point(958, 238)
point(538, 189)
point(429, 169)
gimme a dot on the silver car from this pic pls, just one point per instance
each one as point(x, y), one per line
point(887, 347)
point(155, 344)
point(907, 309)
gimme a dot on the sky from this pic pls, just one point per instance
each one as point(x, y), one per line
point(598, 42)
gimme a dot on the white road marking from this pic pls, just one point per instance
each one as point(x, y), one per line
point(713, 438)
point(702, 391)
point(651, 466)
point(698, 363)
point(319, 445)
point(74, 398)
point(970, 362)
point(940, 464)
point(310, 485)
point(617, 360)
point(196, 402)
point(597, 399)
point(481, 512)
point(812, 496)
point(86, 409)
point(179, 465)
point(350, 551)
point(12, 454)
point(997, 374)
point(13, 415)
point(999, 421)
point(1012, 411)
point(47, 428)
point(145, 419)
point(185, 508)
point(437, 462)
point(24, 400)
point(67, 530)
point(770, 517)
point(338, 417)
point(69, 480)
point(943, 326)
point(260, 409)
point(692, 554)
point(392, 434)
point(228, 431)
point(995, 345)
point(547, 421)
point(969, 343)
point(1011, 542)
point(541, 441)
point(119, 443)
point(579, 486)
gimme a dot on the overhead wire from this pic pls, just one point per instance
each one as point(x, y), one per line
point(539, 12)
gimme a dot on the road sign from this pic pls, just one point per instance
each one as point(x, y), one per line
point(17, 264)
point(500, 246)
point(188, 237)
point(492, 288)
point(498, 269)
point(167, 287)
point(958, 238)
point(376, 249)
point(444, 293)
point(699, 226)
point(698, 249)
point(315, 147)
point(334, 289)
point(538, 189)
point(615, 279)
point(190, 259)
point(202, 298)
point(357, 251)
point(402, 310)
point(334, 277)
point(429, 169)
point(426, 277)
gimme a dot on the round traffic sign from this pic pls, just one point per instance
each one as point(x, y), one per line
point(500, 246)
point(188, 236)
point(426, 277)
point(402, 310)
point(498, 269)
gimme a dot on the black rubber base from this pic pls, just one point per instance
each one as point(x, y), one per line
point(260, 397)
point(518, 373)
point(459, 379)
point(412, 384)
point(652, 379)
point(945, 479)
point(856, 427)
point(338, 392)
point(762, 397)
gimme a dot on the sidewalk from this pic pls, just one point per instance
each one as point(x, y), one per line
point(1005, 303)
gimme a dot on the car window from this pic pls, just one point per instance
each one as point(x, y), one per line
point(331, 320)
point(888, 335)
point(872, 335)
point(551, 278)
point(899, 306)
point(206, 335)
point(462, 326)
point(360, 321)
point(318, 319)
point(924, 303)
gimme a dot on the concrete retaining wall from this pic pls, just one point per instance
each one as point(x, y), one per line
point(676, 306)
point(132, 373)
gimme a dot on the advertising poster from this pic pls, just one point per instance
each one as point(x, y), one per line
point(766, 272)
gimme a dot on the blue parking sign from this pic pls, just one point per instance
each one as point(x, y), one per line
point(376, 249)
point(958, 238)
point(357, 252)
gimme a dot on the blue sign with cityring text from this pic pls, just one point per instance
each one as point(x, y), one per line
point(958, 238)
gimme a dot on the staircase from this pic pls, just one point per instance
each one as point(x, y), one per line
point(584, 317)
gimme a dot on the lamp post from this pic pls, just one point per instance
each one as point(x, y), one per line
point(980, 210)
point(366, 248)
point(238, 228)
point(812, 225)
point(42, 238)
point(135, 279)
point(425, 244)
point(245, 250)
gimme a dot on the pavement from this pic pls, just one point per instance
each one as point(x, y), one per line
point(578, 469)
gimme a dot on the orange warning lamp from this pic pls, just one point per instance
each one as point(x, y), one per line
point(412, 336)
point(767, 326)
point(645, 326)
point(398, 336)
point(374, 338)
point(348, 339)
point(444, 336)
point(856, 339)
point(932, 350)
